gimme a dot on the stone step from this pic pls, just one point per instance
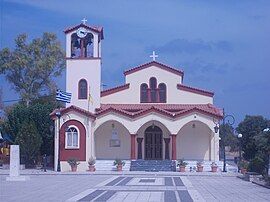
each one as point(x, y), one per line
point(107, 165)
point(152, 165)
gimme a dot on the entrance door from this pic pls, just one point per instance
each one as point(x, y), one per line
point(153, 143)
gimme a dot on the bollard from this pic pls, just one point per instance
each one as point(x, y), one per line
point(45, 163)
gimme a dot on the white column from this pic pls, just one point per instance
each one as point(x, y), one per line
point(56, 142)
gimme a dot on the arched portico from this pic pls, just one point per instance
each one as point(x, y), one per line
point(112, 140)
point(153, 140)
point(194, 141)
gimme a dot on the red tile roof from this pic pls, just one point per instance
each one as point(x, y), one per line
point(114, 90)
point(157, 64)
point(171, 110)
point(96, 29)
point(195, 90)
point(72, 108)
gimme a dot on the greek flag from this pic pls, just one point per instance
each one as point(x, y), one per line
point(63, 96)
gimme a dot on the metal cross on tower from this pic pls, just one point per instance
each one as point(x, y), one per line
point(154, 56)
point(84, 21)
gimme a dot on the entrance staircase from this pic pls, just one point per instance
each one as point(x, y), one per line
point(153, 165)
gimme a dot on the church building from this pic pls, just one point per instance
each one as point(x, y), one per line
point(152, 116)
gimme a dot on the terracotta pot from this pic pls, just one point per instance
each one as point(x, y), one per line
point(243, 170)
point(199, 168)
point(74, 168)
point(119, 167)
point(182, 168)
point(92, 168)
point(214, 168)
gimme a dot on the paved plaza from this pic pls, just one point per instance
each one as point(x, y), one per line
point(131, 187)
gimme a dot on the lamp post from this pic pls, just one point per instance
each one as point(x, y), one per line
point(230, 121)
point(58, 115)
point(240, 145)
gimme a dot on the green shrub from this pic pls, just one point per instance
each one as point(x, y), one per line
point(256, 165)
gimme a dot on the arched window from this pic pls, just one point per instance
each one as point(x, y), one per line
point(162, 92)
point(144, 97)
point(82, 89)
point(153, 89)
point(75, 46)
point(88, 45)
point(72, 137)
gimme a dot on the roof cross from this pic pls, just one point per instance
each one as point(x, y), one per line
point(84, 21)
point(154, 56)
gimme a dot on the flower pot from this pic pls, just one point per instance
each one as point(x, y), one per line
point(214, 168)
point(199, 168)
point(92, 168)
point(74, 168)
point(182, 168)
point(119, 167)
point(243, 170)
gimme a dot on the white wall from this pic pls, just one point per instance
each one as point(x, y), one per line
point(90, 70)
point(194, 142)
point(174, 96)
point(102, 142)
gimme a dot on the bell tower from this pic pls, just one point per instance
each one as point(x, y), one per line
point(83, 65)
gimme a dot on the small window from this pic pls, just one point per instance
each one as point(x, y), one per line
point(144, 97)
point(82, 89)
point(72, 138)
point(162, 93)
point(153, 89)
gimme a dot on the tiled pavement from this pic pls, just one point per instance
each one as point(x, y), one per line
point(131, 187)
point(127, 188)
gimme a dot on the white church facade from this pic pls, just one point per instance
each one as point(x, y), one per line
point(152, 116)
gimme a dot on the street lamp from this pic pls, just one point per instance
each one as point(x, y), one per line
point(240, 146)
point(58, 115)
point(230, 121)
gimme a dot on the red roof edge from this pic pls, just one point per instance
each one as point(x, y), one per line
point(114, 90)
point(73, 108)
point(95, 29)
point(157, 64)
point(195, 90)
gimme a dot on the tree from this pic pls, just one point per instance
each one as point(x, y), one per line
point(37, 113)
point(30, 141)
point(263, 142)
point(31, 66)
point(226, 133)
point(249, 128)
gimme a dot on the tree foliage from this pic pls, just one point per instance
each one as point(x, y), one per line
point(31, 66)
point(30, 141)
point(38, 114)
point(250, 127)
point(227, 134)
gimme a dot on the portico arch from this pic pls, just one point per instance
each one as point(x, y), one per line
point(112, 140)
point(194, 141)
point(153, 133)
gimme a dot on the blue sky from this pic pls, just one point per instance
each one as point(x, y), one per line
point(222, 46)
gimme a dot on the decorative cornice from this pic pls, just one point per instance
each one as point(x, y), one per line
point(156, 64)
point(73, 108)
point(93, 28)
point(114, 90)
point(172, 111)
point(195, 90)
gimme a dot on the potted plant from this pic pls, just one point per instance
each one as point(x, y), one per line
point(199, 166)
point(243, 165)
point(182, 165)
point(91, 164)
point(214, 167)
point(119, 164)
point(73, 162)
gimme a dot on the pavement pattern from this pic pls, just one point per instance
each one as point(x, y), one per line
point(131, 187)
point(128, 188)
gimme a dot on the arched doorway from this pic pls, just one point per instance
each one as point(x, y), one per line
point(153, 143)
